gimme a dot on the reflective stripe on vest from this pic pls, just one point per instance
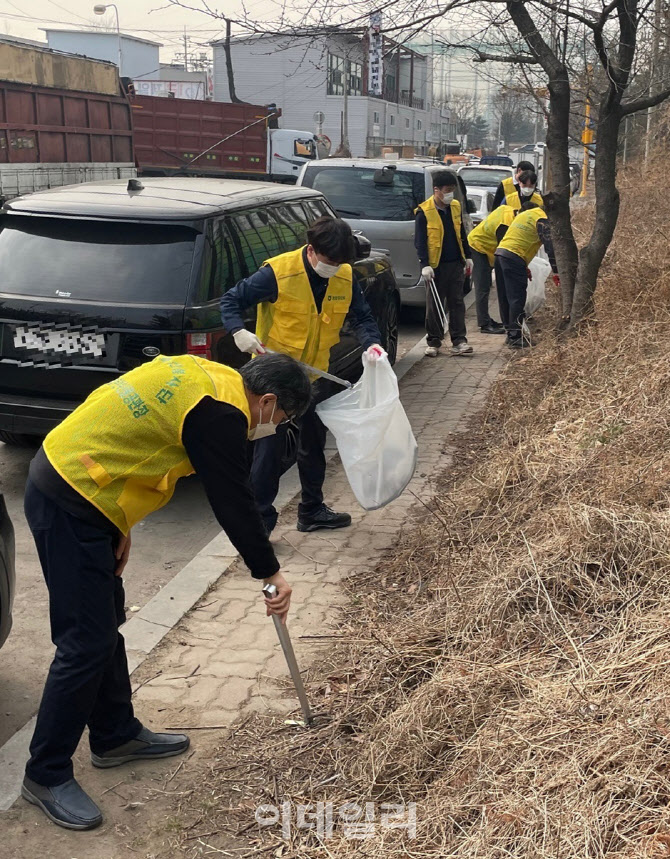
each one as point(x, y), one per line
point(514, 199)
point(483, 237)
point(121, 448)
point(521, 238)
point(292, 324)
point(435, 229)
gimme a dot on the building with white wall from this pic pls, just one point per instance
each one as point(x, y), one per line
point(306, 76)
point(139, 57)
point(173, 81)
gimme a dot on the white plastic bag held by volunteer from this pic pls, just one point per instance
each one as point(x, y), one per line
point(374, 438)
point(540, 270)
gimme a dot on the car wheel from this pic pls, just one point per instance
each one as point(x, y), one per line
point(20, 439)
point(390, 331)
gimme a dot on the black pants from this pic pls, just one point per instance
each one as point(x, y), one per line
point(449, 279)
point(503, 305)
point(481, 274)
point(274, 455)
point(88, 682)
point(515, 275)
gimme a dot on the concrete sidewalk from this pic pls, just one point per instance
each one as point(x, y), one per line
point(222, 660)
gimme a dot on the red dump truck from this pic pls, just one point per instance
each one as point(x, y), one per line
point(215, 138)
point(62, 121)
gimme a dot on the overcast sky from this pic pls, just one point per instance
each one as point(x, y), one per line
point(150, 19)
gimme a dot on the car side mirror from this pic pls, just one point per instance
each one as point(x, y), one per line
point(362, 246)
point(471, 207)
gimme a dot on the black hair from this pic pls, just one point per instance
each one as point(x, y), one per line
point(332, 237)
point(525, 207)
point(280, 375)
point(528, 176)
point(525, 165)
point(444, 178)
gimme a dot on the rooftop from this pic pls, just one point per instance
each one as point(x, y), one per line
point(126, 36)
point(176, 198)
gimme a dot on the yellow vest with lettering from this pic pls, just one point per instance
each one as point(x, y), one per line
point(514, 199)
point(292, 324)
point(483, 237)
point(521, 238)
point(435, 229)
point(121, 448)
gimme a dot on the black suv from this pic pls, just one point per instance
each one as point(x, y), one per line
point(100, 277)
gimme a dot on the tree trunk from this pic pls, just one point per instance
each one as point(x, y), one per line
point(606, 209)
point(229, 66)
point(558, 206)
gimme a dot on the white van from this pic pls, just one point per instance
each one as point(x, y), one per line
point(378, 197)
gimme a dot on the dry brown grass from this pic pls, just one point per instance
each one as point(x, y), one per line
point(516, 684)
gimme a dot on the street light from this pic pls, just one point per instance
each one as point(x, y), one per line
point(100, 9)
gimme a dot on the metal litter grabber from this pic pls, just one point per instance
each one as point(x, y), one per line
point(270, 591)
point(321, 373)
point(438, 304)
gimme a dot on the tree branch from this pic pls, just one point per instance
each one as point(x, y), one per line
point(484, 56)
point(643, 103)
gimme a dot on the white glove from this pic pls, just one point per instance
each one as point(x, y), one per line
point(427, 273)
point(248, 342)
point(468, 266)
point(374, 352)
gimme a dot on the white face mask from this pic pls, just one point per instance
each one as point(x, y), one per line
point(527, 192)
point(263, 430)
point(447, 198)
point(325, 270)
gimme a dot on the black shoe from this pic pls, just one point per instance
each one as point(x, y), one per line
point(519, 343)
point(67, 804)
point(323, 518)
point(146, 746)
point(493, 328)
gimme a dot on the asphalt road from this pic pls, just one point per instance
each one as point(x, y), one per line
point(162, 545)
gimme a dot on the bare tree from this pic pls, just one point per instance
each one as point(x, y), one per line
point(461, 103)
point(512, 106)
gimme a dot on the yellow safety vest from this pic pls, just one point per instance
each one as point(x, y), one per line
point(483, 237)
point(121, 448)
point(436, 229)
point(521, 238)
point(514, 199)
point(292, 324)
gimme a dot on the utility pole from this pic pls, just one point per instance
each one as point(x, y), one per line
point(185, 51)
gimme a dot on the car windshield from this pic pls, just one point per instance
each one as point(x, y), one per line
point(353, 192)
point(478, 176)
point(96, 260)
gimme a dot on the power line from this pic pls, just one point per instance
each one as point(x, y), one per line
point(98, 28)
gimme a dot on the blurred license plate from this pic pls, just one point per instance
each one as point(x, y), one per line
point(57, 345)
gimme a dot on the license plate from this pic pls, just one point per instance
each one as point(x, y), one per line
point(54, 345)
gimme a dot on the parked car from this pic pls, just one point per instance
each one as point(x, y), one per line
point(101, 277)
point(482, 176)
point(496, 161)
point(482, 198)
point(379, 197)
point(7, 573)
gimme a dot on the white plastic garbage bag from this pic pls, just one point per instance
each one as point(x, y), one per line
point(373, 435)
point(540, 269)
